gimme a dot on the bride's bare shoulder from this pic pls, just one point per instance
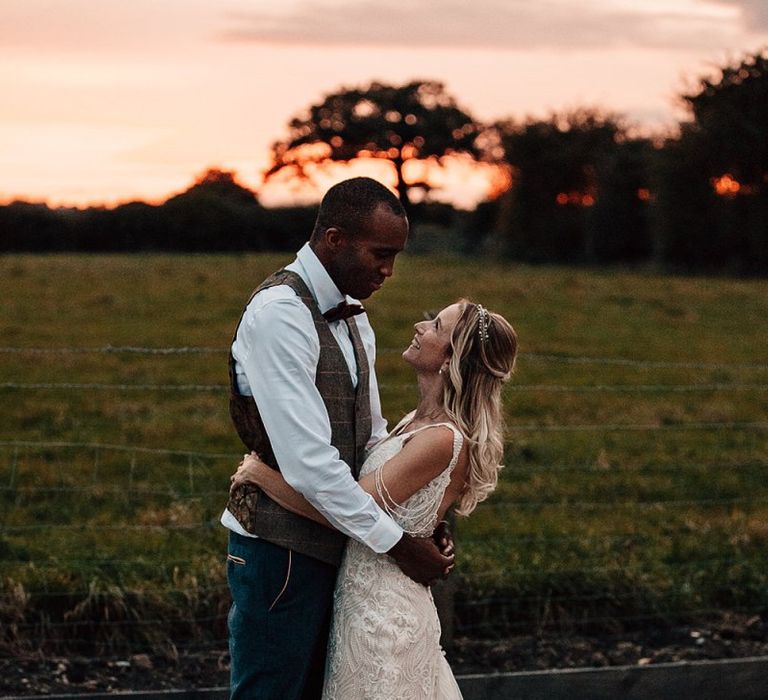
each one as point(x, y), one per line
point(433, 443)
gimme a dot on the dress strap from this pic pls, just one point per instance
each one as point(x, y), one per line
point(403, 421)
point(458, 440)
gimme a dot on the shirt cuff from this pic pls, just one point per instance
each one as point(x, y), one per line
point(384, 535)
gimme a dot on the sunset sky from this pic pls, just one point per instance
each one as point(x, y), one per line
point(108, 100)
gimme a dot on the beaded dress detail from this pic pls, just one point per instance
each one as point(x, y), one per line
point(385, 635)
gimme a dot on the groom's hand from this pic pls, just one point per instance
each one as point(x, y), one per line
point(420, 559)
point(443, 538)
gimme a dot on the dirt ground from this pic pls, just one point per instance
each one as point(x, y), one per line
point(731, 636)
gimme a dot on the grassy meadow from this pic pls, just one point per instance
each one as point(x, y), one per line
point(634, 490)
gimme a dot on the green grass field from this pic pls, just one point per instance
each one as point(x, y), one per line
point(635, 484)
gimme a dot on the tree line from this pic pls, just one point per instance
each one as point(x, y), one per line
point(582, 186)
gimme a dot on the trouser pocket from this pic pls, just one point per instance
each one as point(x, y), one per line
point(285, 582)
point(259, 574)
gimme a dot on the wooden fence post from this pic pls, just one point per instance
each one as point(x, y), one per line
point(443, 593)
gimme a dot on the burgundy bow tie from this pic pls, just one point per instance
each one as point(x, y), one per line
point(342, 311)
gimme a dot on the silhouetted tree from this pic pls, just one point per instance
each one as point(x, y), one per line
point(733, 114)
point(27, 226)
point(416, 121)
point(572, 194)
point(713, 178)
point(621, 218)
point(215, 213)
point(221, 184)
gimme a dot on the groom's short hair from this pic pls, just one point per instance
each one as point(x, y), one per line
point(347, 204)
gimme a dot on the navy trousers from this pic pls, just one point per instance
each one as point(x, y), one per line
point(279, 621)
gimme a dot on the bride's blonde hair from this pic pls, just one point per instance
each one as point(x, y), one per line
point(483, 353)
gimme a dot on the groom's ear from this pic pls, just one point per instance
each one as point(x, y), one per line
point(334, 238)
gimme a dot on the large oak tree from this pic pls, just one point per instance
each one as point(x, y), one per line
point(416, 121)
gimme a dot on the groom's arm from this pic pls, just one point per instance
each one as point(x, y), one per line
point(278, 350)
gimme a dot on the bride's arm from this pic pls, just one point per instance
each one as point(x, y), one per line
point(422, 458)
point(253, 470)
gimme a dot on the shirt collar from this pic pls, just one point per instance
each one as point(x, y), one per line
point(318, 280)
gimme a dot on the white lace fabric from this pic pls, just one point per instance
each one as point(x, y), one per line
point(385, 635)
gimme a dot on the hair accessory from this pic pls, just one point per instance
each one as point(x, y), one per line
point(482, 323)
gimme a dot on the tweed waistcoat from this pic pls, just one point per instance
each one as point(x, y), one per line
point(349, 411)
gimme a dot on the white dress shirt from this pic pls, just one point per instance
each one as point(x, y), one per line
point(276, 352)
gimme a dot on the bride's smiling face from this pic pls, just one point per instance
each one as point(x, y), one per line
point(430, 347)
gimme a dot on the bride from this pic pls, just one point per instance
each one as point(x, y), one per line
point(385, 633)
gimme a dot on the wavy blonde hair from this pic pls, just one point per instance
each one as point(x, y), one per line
point(483, 353)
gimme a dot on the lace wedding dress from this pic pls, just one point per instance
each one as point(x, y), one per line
point(385, 635)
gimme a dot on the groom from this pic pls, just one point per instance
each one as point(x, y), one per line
point(304, 396)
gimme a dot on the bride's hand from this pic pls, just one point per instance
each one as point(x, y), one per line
point(245, 471)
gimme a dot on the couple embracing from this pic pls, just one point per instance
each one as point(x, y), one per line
point(334, 522)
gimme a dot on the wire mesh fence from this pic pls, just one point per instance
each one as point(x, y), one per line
point(597, 526)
